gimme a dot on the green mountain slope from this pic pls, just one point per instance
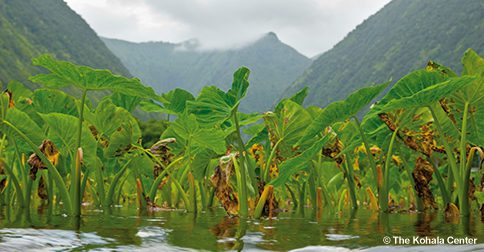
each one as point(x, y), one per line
point(165, 66)
point(29, 28)
point(401, 37)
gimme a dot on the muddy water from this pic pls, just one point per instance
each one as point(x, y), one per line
point(125, 229)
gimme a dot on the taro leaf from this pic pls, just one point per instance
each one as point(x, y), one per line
point(176, 100)
point(405, 87)
point(20, 94)
point(123, 138)
point(293, 165)
point(342, 110)
point(26, 125)
point(190, 135)
point(239, 85)
point(200, 163)
point(430, 94)
point(142, 165)
point(244, 119)
point(153, 107)
point(288, 124)
point(474, 95)
point(259, 134)
point(54, 101)
point(127, 102)
point(63, 73)
point(108, 118)
point(297, 98)
point(63, 132)
point(213, 106)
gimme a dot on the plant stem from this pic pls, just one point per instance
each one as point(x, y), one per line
point(157, 182)
point(242, 181)
point(110, 196)
point(448, 150)
point(239, 174)
point(351, 182)
point(262, 200)
point(51, 168)
point(77, 176)
point(367, 151)
point(386, 181)
point(463, 192)
point(269, 161)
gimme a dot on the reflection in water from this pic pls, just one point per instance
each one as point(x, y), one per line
point(423, 226)
point(125, 229)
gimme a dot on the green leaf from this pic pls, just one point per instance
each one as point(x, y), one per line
point(430, 94)
point(63, 73)
point(213, 106)
point(189, 135)
point(54, 101)
point(26, 125)
point(63, 132)
point(342, 110)
point(405, 87)
point(297, 98)
point(127, 102)
point(472, 94)
point(288, 124)
point(239, 85)
point(298, 163)
point(176, 100)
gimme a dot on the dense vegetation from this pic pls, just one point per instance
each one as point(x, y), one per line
point(399, 38)
point(166, 66)
point(30, 28)
point(418, 148)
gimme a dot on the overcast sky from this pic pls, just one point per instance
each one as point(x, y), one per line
point(310, 26)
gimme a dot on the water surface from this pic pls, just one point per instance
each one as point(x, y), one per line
point(125, 229)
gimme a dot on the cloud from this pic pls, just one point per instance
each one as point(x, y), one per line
point(311, 26)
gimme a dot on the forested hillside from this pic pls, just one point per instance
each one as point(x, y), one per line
point(29, 28)
point(165, 66)
point(401, 37)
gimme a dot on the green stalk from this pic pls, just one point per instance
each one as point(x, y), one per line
point(463, 197)
point(110, 196)
point(242, 188)
point(441, 183)
point(77, 176)
point(262, 201)
point(293, 196)
point(448, 150)
point(18, 190)
point(302, 198)
point(351, 181)
point(51, 168)
point(157, 182)
point(312, 190)
point(175, 181)
point(84, 182)
point(100, 186)
point(193, 192)
point(241, 171)
point(418, 201)
point(368, 152)
point(386, 180)
point(269, 160)
point(77, 200)
point(203, 195)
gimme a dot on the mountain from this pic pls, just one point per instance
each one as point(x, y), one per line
point(165, 66)
point(29, 28)
point(399, 38)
